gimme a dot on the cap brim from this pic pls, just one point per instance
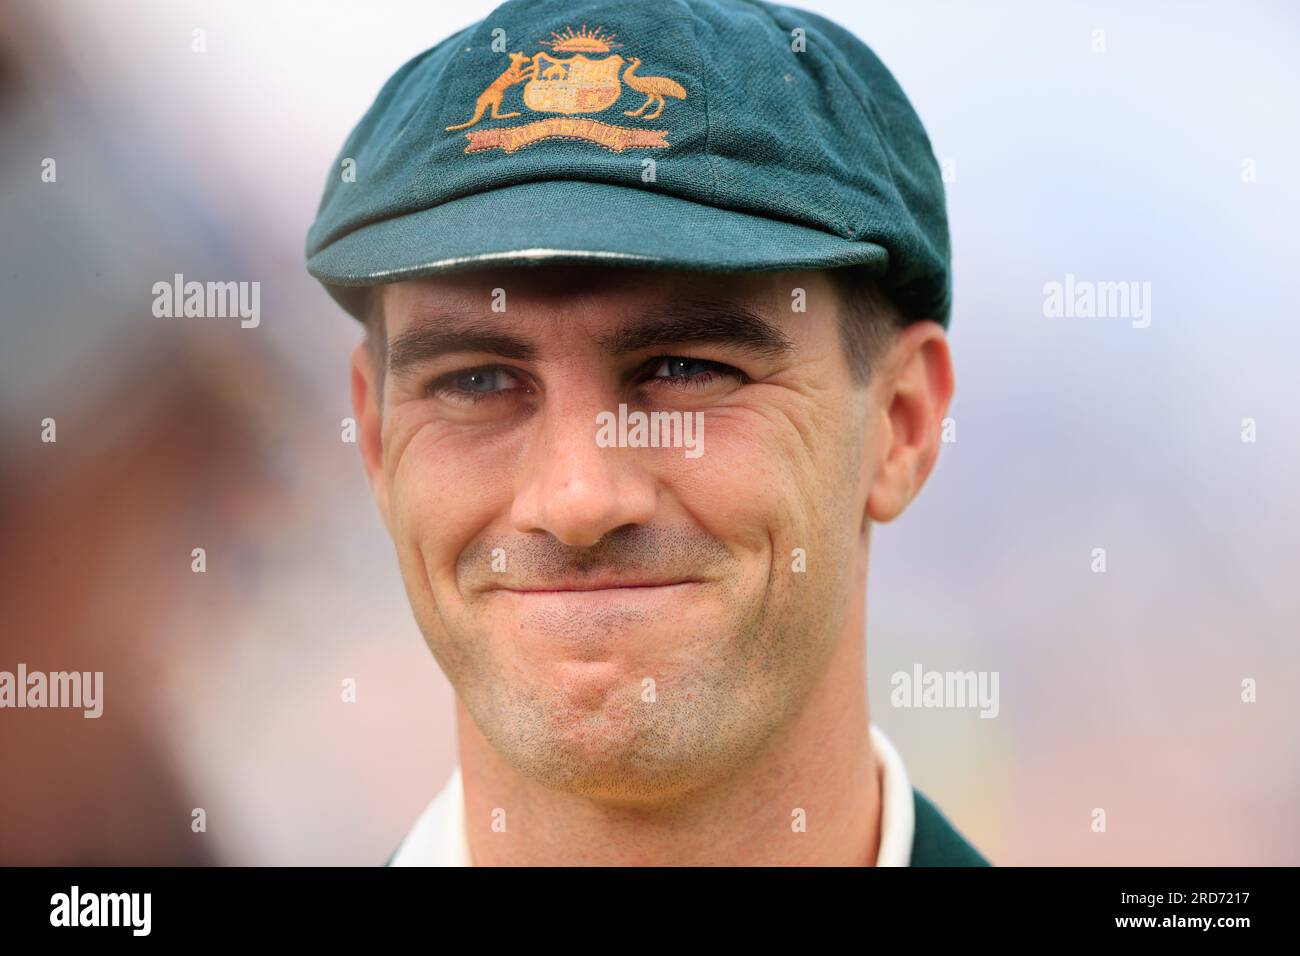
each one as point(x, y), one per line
point(577, 221)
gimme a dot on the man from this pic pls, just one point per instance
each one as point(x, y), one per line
point(655, 299)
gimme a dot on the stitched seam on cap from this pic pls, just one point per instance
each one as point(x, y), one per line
point(769, 10)
point(710, 160)
point(843, 71)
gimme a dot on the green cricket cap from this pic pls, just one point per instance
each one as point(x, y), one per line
point(778, 140)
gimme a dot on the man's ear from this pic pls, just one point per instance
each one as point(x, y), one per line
point(370, 426)
point(914, 387)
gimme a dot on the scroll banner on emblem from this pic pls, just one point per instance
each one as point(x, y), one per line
point(617, 138)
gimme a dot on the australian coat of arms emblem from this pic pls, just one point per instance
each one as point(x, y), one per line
point(571, 85)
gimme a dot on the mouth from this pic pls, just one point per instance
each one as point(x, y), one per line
point(576, 602)
point(597, 589)
point(589, 615)
point(592, 586)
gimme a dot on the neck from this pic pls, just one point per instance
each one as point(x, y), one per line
point(821, 763)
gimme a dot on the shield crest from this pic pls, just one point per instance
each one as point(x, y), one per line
point(574, 85)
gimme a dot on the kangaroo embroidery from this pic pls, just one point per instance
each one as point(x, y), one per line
point(492, 97)
point(576, 86)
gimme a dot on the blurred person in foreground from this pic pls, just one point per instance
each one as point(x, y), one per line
point(655, 300)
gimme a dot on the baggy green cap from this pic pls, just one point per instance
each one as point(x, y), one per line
point(778, 140)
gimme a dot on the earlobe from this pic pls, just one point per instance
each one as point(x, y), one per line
point(365, 406)
point(914, 393)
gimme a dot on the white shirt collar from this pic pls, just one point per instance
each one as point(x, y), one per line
point(440, 837)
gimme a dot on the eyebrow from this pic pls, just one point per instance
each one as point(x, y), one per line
point(446, 334)
point(698, 322)
point(683, 323)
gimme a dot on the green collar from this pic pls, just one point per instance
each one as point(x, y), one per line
point(935, 842)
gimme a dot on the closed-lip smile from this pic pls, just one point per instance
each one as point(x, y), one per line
point(581, 585)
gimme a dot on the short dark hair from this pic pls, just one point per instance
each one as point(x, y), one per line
point(869, 320)
point(370, 312)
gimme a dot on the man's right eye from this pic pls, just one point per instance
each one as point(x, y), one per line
point(471, 386)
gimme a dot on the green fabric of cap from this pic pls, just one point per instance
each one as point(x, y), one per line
point(778, 140)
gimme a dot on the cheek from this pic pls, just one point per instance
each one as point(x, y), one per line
point(750, 488)
point(445, 487)
point(772, 480)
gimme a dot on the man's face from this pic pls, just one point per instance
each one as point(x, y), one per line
point(623, 620)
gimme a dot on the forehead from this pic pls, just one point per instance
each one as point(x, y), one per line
point(592, 291)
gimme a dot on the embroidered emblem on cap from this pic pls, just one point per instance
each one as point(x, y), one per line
point(572, 85)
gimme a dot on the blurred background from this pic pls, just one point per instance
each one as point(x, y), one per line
point(1152, 142)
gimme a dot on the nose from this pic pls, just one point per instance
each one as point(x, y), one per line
point(575, 490)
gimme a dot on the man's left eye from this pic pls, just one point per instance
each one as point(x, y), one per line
point(681, 370)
